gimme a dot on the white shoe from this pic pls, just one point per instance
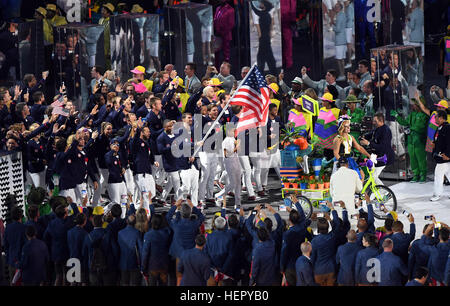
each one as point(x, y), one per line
point(435, 198)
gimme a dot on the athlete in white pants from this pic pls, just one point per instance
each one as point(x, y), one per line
point(208, 162)
point(232, 165)
point(38, 179)
point(189, 179)
point(145, 184)
point(247, 169)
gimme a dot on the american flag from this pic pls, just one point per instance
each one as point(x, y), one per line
point(253, 96)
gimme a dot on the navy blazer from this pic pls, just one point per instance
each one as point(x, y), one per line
point(34, 262)
point(195, 266)
point(418, 255)
point(184, 230)
point(361, 267)
point(323, 255)
point(88, 251)
point(437, 260)
point(56, 236)
point(218, 248)
point(392, 269)
point(402, 242)
point(264, 270)
point(155, 124)
point(36, 156)
point(111, 239)
point(170, 162)
point(130, 245)
point(155, 250)
point(346, 260)
point(37, 111)
point(75, 241)
point(14, 239)
point(115, 167)
point(39, 229)
point(142, 155)
point(304, 271)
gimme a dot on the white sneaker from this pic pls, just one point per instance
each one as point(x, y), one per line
point(435, 198)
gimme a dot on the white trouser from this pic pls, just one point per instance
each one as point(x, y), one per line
point(146, 184)
point(116, 191)
point(158, 172)
point(256, 161)
point(220, 169)
point(234, 176)
point(131, 186)
point(97, 192)
point(247, 169)
point(189, 179)
point(38, 179)
point(74, 193)
point(208, 161)
point(439, 172)
point(173, 181)
point(104, 175)
point(68, 193)
point(270, 161)
point(376, 173)
point(92, 192)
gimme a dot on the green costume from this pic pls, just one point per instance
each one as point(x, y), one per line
point(356, 117)
point(417, 123)
point(105, 23)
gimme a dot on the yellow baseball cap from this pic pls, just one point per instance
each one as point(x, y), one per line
point(394, 215)
point(215, 82)
point(274, 87)
point(138, 70)
point(327, 97)
point(41, 11)
point(98, 210)
point(442, 103)
point(109, 6)
point(51, 7)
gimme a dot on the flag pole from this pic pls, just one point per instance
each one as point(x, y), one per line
point(223, 110)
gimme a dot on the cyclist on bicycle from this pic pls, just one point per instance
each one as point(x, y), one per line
point(342, 146)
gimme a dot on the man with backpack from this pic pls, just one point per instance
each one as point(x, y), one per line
point(95, 251)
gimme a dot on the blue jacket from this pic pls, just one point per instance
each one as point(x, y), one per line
point(339, 29)
point(155, 250)
point(418, 255)
point(35, 156)
point(392, 269)
point(14, 240)
point(415, 23)
point(130, 245)
point(402, 242)
point(170, 107)
point(218, 247)
point(323, 255)
point(155, 124)
point(447, 271)
point(184, 230)
point(370, 223)
point(34, 261)
point(170, 162)
point(142, 155)
point(56, 236)
point(88, 251)
point(413, 283)
point(437, 260)
point(142, 112)
point(111, 239)
point(39, 229)
point(114, 165)
point(72, 166)
point(292, 238)
point(195, 266)
point(75, 241)
point(304, 271)
point(264, 266)
point(361, 267)
point(37, 111)
point(345, 260)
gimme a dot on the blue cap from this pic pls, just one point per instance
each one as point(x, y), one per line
point(115, 139)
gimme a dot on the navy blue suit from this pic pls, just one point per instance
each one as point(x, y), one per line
point(155, 250)
point(37, 111)
point(88, 250)
point(39, 229)
point(218, 247)
point(402, 242)
point(304, 272)
point(345, 260)
point(56, 237)
point(184, 230)
point(437, 260)
point(34, 262)
point(195, 266)
point(264, 270)
point(418, 255)
point(130, 248)
point(361, 267)
point(75, 241)
point(413, 283)
point(142, 155)
point(14, 240)
point(393, 270)
point(155, 124)
point(170, 162)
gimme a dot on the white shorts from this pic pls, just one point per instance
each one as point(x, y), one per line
point(349, 35)
point(340, 52)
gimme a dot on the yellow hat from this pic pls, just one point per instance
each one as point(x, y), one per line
point(219, 92)
point(215, 82)
point(442, 103)
point(137, 9)
point(109, 6)
point(138, 70)
point(180, 82)
point(218, 214)
point(274, 87)
point(98, 210)
point(51, 7)
point(327, 97)
point(393, 215)
point(41, 11)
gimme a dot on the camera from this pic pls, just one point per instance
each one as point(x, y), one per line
point(428, 218)
point(407, 131)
